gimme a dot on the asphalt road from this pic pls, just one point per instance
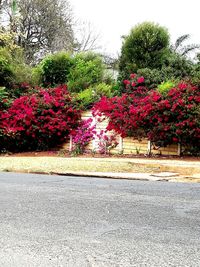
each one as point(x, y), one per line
point(68, 221)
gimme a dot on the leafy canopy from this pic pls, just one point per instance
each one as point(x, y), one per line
point(146, 46)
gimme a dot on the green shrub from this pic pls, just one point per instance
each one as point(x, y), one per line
point(22, 73)
point(13, 70)
point(86, 98)
point(87, 70)
point(177, 67)
point(174, 68)
point(153, 77)
point(196, 72)
point(103, 89)
point(164, 87)
point(196, 78)
point(37, 75)
point(6, 72)
point(4, 98)
point(54, 69)
point(79, 71)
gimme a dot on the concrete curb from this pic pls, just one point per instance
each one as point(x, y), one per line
point(130, 176)
point(155, 177)
point(120, 176)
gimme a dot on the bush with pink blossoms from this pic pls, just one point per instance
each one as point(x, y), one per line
point(82, 136)
point(106, 142)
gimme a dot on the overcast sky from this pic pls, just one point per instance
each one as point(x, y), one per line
point(114, 18)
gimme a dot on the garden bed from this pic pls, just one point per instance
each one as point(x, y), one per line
point(66, 154)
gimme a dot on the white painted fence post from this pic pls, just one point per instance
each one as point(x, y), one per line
point(121, 148)
point(94, 144)
point(70, 143)
point(149, 148)
point(179, 149)
point(94, 147)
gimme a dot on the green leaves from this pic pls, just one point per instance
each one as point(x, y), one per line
point(144, 47)
point(54, 69)
point(164, 87)
point(14, 7)
point(87, 70)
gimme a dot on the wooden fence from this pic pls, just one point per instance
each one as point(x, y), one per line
point(127, 145)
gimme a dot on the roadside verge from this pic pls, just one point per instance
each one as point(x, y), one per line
point(116, 168)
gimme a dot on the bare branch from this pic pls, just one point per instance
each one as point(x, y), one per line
point(87, 39)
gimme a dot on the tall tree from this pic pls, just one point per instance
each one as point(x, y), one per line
point(42, 26)
point(145, 46)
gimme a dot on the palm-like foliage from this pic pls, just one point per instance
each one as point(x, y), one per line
point(182, 49)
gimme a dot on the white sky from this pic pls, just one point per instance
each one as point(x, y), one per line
point(114, 18)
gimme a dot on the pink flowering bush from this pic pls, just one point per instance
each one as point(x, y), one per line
point(86, 132)
point(82, 136)
point(106, 142)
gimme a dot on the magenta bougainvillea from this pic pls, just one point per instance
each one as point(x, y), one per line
point(174, 117)
point(106, 142)
point(82, 136)
point(86, 132)
point(38, 121)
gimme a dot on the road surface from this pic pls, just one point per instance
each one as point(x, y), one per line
point(69, 221)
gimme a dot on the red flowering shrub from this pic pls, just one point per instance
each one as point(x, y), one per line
point(136, 83)
point(39, 121)
point(174, 117)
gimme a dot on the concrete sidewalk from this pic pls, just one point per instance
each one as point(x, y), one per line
point(116, 168)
